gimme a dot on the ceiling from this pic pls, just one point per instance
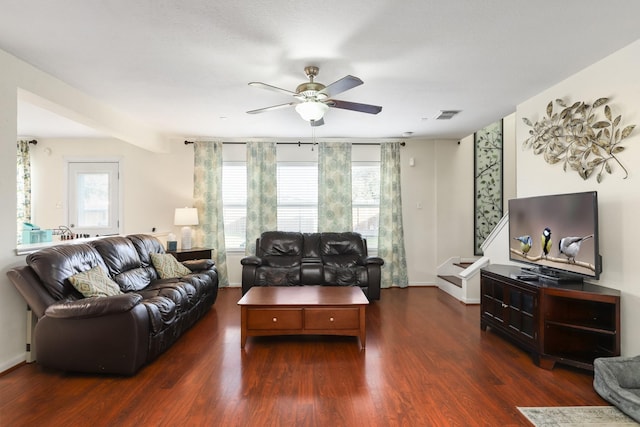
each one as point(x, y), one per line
point(182, 67)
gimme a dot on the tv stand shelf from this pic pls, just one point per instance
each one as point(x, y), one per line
point(571, 324)
point(579, 327)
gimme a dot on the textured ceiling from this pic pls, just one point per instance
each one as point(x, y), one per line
point(182, 67)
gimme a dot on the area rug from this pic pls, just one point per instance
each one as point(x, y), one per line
point(577, 416)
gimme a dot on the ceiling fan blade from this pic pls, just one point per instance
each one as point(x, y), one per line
point(273, 88)
point(339, 86)
point(354, 106)
point(273, 107)
point(315, 123)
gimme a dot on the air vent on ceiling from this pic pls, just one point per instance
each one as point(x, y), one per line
point(446, 114)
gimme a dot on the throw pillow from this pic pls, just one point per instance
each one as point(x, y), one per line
point(95, 283)
point(168, 266)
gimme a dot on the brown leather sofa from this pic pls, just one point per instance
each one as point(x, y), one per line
point(113, 334)
point(330, 259)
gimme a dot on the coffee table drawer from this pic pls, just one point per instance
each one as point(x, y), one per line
point(274, 319)
point(331, 318)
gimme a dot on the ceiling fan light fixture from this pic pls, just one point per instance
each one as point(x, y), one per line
point(311, 110)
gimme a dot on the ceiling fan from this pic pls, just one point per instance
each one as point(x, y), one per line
point(313, 99)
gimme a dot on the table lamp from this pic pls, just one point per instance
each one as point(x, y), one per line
point(186, 217)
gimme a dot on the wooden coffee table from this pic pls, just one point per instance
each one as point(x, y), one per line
point(303, 310)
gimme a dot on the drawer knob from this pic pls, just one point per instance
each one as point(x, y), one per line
point(504, 305)
point(275, 319)
point(331, 319)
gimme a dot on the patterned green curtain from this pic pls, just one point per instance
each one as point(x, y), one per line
point(23, 171)
point(334, 187)
point(391, 232)
point(262, 194)
point(207, 194)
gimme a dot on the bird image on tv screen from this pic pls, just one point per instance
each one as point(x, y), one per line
point(557, 232)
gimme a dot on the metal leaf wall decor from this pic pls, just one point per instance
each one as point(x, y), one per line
point(488, 145)
point(579, 138)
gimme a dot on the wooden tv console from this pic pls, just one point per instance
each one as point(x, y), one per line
point(571, 324)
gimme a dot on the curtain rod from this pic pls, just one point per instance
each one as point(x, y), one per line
point(402, 144)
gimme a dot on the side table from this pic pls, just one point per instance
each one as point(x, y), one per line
point(193, 253)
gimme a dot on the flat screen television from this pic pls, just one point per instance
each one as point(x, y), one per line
point(557, 235)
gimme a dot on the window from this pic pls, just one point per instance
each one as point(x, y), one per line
point(298, 200)
point(298, 197)
point(23, 179)
point(234, 201)
point(94, 197)
point(365, 184)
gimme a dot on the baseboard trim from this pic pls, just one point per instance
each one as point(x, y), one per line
point(423, 284)
point(13, 363)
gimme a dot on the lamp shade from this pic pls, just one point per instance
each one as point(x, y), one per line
point(312, 110)
point(186, 216)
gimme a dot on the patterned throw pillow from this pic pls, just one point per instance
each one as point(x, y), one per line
point(168, 266)
point(95, 283)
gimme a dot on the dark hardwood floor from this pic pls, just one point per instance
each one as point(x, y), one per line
point(427, 363)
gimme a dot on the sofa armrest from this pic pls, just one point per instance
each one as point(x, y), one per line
point(199, 264)
point(251, 260)
point(113, 343)
point(93, 307)
point(373, 260)
point(249, 266)
point(30, 287)
point(311, 271)
point(374, 275)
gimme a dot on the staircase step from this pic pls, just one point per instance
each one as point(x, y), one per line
point(452, 279)
point(463, 264)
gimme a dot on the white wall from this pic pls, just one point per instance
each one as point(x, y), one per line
point(153, 184)
point(12, 306)
point(454, 199)
point(419, 209)
point(455, 186)
point(509, 154)
point(615, 77)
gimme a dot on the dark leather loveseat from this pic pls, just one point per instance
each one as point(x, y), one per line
point(114, 334)
point(331, 259)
